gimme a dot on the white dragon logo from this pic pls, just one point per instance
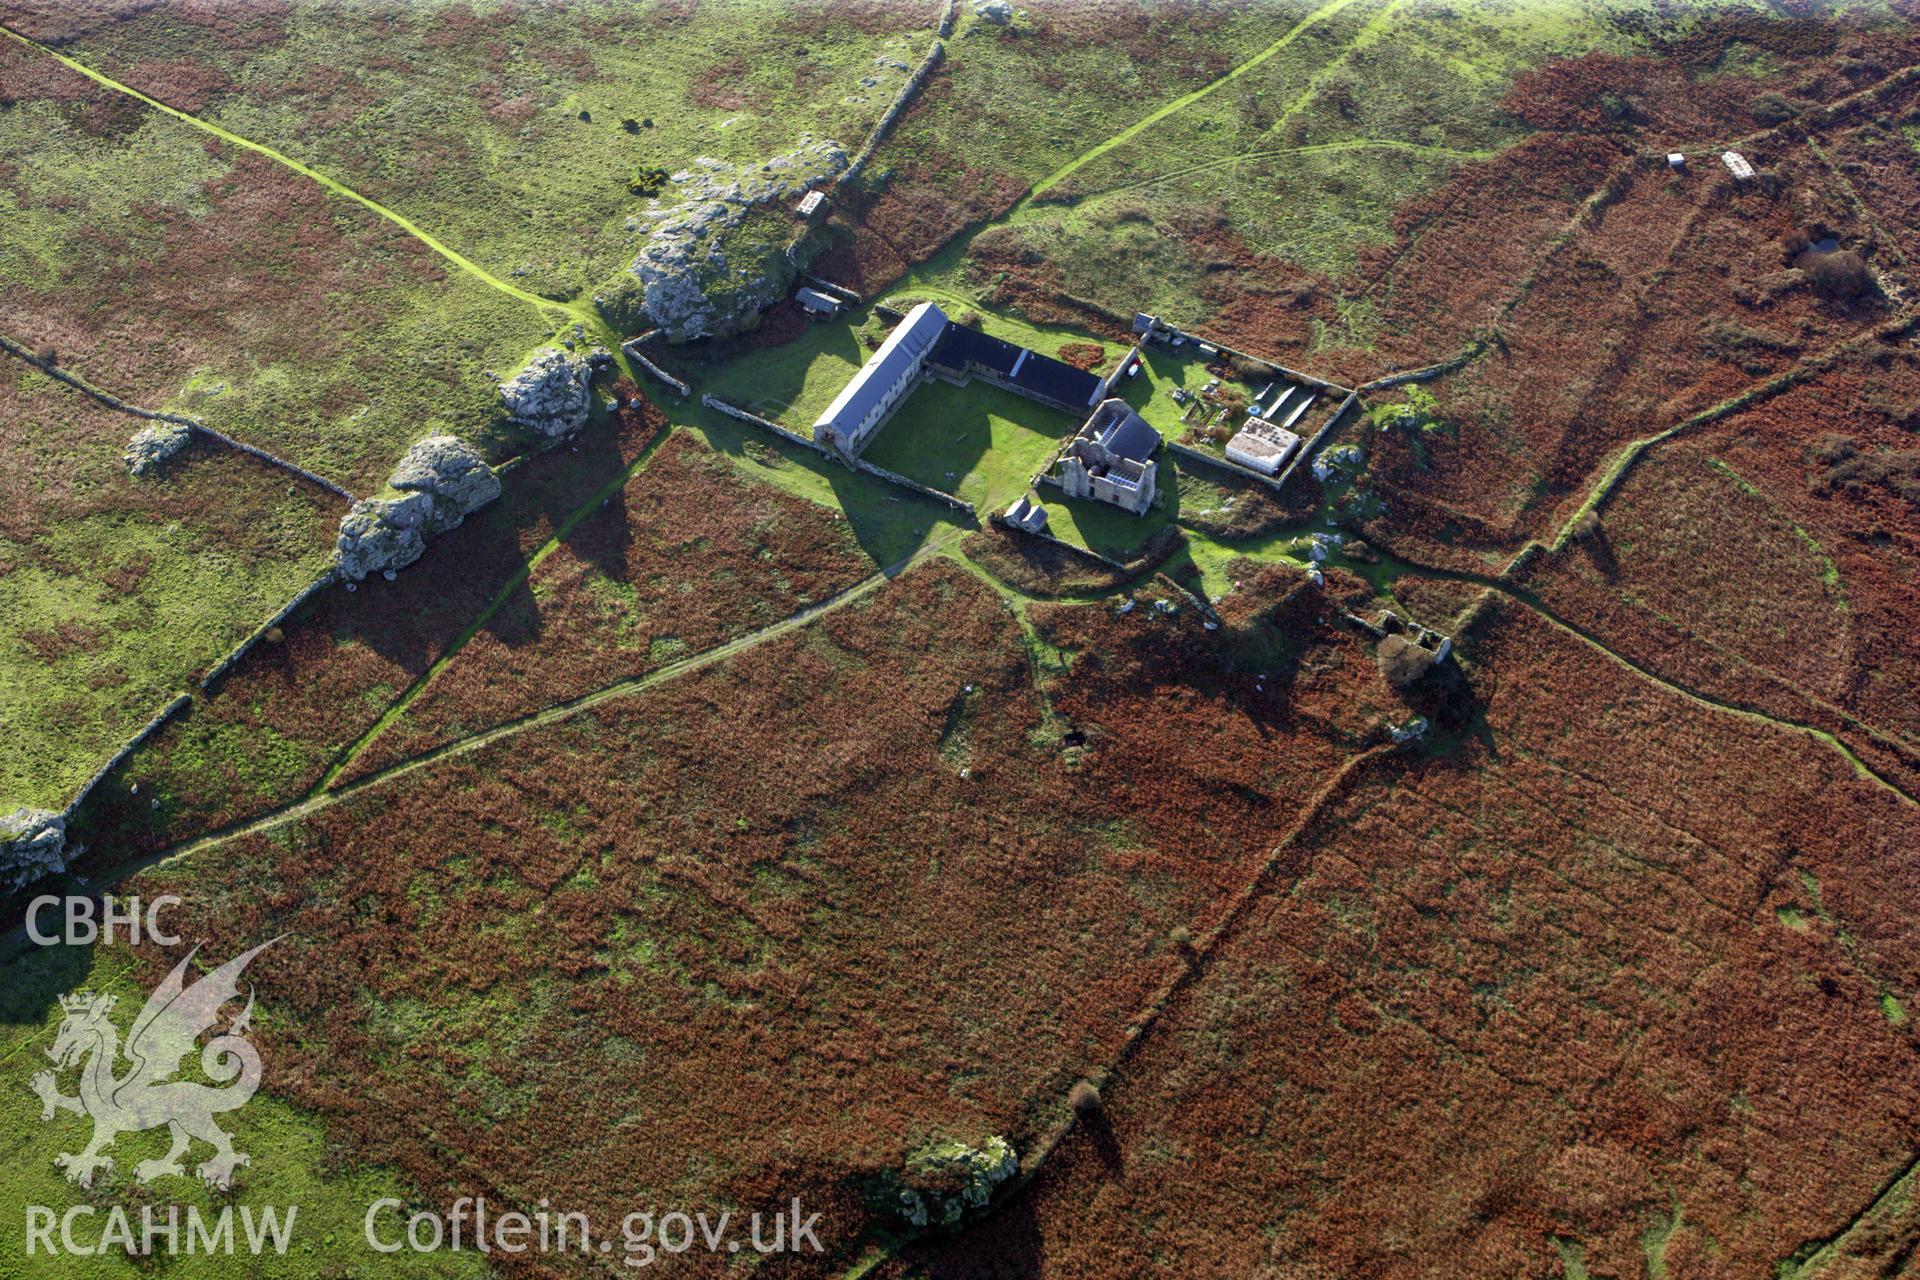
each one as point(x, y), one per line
point(148, 1096)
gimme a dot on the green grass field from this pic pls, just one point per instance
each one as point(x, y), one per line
point(1297, 138)
point(1162, 371)
point(980, 442)
point(507, 130)
point(298, 1164)
point(1164, 148)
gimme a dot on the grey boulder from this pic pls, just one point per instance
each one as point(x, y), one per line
point(384, 533)
point(551, 396)
point(154, 443)
point(449, 472)
point(33, 843)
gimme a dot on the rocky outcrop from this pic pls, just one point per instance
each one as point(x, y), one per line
point(943, 1181)
point(441, 482)
point(383, 534)
point(552, 395)
point(449, 472)
point(1341, 462)
point(998, 12)
point(33, 843)
point(716, 259)
point(154, 444)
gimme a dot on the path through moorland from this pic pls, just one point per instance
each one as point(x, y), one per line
point(1180, 104)
point(334, 185)
point(327, 792)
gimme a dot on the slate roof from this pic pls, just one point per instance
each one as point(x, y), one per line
point(885, 367)
point(814, 300)
point(1058, 381)
point(1124, 433)
point(1028, 371)
point(960, 346)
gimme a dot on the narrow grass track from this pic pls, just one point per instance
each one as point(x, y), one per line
point(1180, 104)
point(339, 188)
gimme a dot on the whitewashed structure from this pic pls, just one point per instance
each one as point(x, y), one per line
point(1262, 446)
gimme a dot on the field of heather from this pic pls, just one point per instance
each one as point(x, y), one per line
point(688, 556)
point(1534, 1019)
point(680, 895)
point(1768, 559)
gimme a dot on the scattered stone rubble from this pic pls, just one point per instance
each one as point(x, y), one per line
point(998, 12)
point(697, 284)
point(154, 444)
point(33, 843)
point(551, 397)
point(441, 481)
point(1323, 545)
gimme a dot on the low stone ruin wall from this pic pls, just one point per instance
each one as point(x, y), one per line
point(1431, 371)
point(167, 713)
point(631, 349)
point(1086, 553)
point(1312, 445)
point(908, 92)
point(765, 424)
point(1292, 375)
point(153, 415)
point(1231, 468)
point(254, 637)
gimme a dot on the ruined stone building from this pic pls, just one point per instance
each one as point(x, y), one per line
point(1111, 458)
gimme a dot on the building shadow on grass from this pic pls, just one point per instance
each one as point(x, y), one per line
point(890, 524)
point(1116, 534)
point(943, 436)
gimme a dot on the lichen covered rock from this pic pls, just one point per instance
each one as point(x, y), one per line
point(716, 259)
point(1341, 462)
point(943, 1181)
point(449, 472)
point(552, 395)
point(154, 444)
point(384, 533)
point(33, 843)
